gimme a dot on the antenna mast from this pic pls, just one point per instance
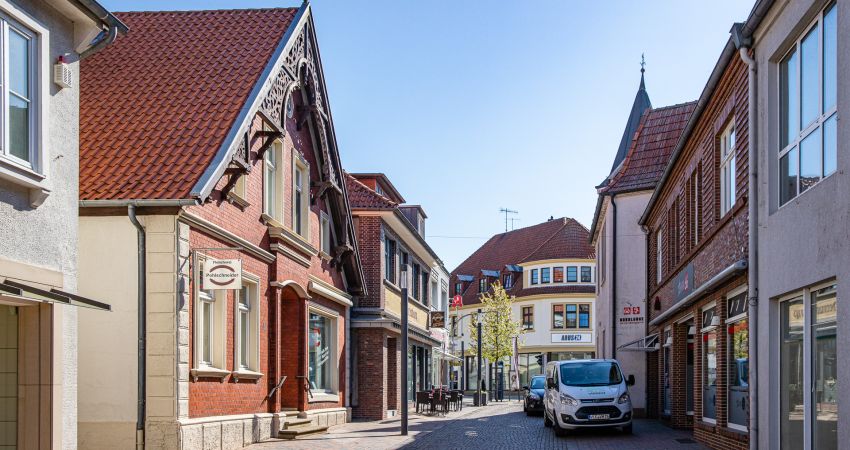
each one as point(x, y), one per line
point(507, 211)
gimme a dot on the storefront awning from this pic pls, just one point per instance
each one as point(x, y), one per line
point(446, 355)
point(645, 344)
point(20, 294)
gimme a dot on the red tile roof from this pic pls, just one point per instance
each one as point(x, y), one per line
point(554, 239)
point(156, 106)
point(361, 196)
point(653, 142)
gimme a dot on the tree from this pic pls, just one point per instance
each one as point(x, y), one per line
point(498, 328)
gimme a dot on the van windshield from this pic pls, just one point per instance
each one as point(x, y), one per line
point(597, 373)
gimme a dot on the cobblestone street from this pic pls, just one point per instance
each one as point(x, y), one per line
point(494, 427)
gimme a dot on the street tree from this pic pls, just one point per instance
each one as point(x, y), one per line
point(498, 327)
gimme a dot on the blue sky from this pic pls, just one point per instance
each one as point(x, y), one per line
point(471, 106)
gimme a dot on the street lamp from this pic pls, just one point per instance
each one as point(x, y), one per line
point(404, 344)
point(480, 378)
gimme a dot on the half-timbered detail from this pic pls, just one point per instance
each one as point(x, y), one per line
point(240, 181)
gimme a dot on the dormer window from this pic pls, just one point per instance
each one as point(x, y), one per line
point(572, 274)
point(558, 275)
point(458, 288)
point(585, 274)
point(507, 280)
point(534, 279)
point(482, 284)
point(545, 276)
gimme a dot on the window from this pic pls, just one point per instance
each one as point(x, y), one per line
point(727, 169)
point(571, 321)
point(482, 284)
point(534, 279)
point(808, 324)
point(557, 316)
point(507, 280)
point(807, 78)
point(424, 286)
point(246, 331)
point(416, 280)
point(300, 196)
point(325, 233)
point(210, 327)
point(544, 275)
point(240, 188)
point(572, 274)
point(709, 364)
point(389, 260)
point(558, 274)
point(659, 256)
point(738, 410)
point(322, 353)
point(458, 288)
point(207, 326)
point(696, 205)
point(20, 83)
point(527, 317)
point(584, 316)
point(585, 274)
point(272, 181)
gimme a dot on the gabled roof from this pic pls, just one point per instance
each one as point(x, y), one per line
point(361, 196)
point(654, 140)
point(158, 104)
point(640, 105)
point(562, 238)
point(373, 180)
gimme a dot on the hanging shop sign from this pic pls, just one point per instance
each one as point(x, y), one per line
point(438, 319)
point(572, 338)
point(222, 274)
point(684, 282)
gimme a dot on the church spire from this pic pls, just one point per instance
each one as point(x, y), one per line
point(639, 106)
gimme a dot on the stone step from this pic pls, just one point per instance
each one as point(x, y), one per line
point(290, 423)
point(301, 431)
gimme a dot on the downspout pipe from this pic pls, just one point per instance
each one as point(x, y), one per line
point(142, 328)
point(613, 277)
point(744, 43)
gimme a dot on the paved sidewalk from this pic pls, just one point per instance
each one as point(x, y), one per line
point(495, 427)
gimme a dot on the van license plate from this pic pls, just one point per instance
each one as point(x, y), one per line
point(598, 416)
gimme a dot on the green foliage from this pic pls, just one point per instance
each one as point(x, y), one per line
point(498, 328)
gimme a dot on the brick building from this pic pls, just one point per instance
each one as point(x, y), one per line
point(389, 235)
point(550, 270)
point(697, 266)
point(650, 136)
point(207, 136)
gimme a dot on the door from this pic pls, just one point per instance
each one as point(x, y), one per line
point(8, 377)
point(709, 379)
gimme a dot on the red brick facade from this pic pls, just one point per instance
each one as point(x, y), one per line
point(695, 236)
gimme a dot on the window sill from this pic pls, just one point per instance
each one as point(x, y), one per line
point(237, 200)
point(35, 182)
point(325, 256)
point(323, 397)
point(246, 374)
point(209, 372)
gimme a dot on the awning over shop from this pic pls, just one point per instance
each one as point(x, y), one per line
point(19, 294)
point(645, 344)
point(446, 355)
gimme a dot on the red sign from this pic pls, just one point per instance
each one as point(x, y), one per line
point(457, 301)
point(631, 310)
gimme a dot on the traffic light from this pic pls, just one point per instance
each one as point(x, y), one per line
point(539, 359)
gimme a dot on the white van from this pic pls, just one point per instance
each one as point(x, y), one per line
point(587, 393)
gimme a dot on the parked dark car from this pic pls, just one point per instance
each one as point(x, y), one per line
point(533, 402)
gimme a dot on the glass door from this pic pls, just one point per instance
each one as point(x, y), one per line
point(791, 384)
point(824, 370)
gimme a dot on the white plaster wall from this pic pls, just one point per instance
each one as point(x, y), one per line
point(108, 357)
point(807, 240)
point(47, 236)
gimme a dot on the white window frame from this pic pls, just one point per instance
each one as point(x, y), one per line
point(808, 369)
point(300, 166)
point(659, 254)
point(728, 168)
point(704, 357)
point(33, 173)
point(816, 126)
point(218, 339)
point(332, 317)
point(325, 237)
point(250, 283)
point(272, 173)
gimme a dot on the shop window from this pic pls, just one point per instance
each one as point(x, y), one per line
point(322, 364)
point(572, 316)
point(572, 274)
point(709, 364)
point(534, 279)
point(246, 331)
point(727, 169)
point(586, 274)
point(527, 317)
point(545, 275)
point(820, 305)
point(584, 316)
point(808, 92)
point(558, 274)
point(668, 344)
